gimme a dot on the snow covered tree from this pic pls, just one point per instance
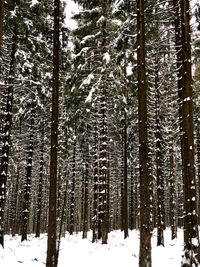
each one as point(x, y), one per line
point(7, 130)
point(92, 76)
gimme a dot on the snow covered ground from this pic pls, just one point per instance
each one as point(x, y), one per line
point(78, 252)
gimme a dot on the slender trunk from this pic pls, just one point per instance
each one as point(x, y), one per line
point(190, 218)
point(1, 20)
point(63, 214)
point(27, 185)
point(122, 184)
point(51, 242)
point(159, 172)
point(198, 165)
point(14, 206)
point(72, 198)
point(103, 139)
point(95, 187)
point(39, 197)
point(177, 25)
point(172, 183)
point(145, 229)
point(86, 189)
point(125, 178)
point(108, 192)
point(133, 210)
point(103, 214)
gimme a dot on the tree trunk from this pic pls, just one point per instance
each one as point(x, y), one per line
point(95, 187)
point(145, 231)
point(103, 166)
point(190, 215)
point(198, 164)
point(103, 139)
point(27, 185)
point(159, 171)
point(125, 177)
point(72, 198)
point(1, 20)
point(172, 184)
point(39, 197)
point(86, 185)
point(51, 242)
point(14, 206)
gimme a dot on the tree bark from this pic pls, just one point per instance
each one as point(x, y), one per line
point(27, 185)
point(86, 184)
point(190, 215)
point(51, 242)
point(72, 198)
point(125, 178)
point(159, 171)
point(145, 231)
point(1, 20)
point(39, 197)
point(95, 187)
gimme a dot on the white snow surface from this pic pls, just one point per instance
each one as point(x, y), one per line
point(75, 251)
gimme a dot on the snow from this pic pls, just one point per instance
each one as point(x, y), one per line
point(71, 9)
point(89, 97)
point(34, 2)
point(129, 70)
point(106, 58)
point(75, 251)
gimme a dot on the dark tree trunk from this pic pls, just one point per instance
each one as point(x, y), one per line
point(103, 140)
point(125, 179)
point(39, 197)
point(177, 25)
point(72, 197)
point(63, 215)
point(1, 20)
point(159, 171)
point(198, 164)
point(145, 229)
point(190, 215)
point(103, 164)
point(86, 185)
point(6, 135)
point(51, 242)
point(133, 206)
point(122, 184)
point(172, 177)
point(95, 188)
point(14, 204)
point(108, 192)
point(172, 184)
point(27, 185)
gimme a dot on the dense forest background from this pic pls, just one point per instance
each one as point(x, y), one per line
point(127, 153)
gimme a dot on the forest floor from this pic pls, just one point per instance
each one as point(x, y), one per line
point(75, 251)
